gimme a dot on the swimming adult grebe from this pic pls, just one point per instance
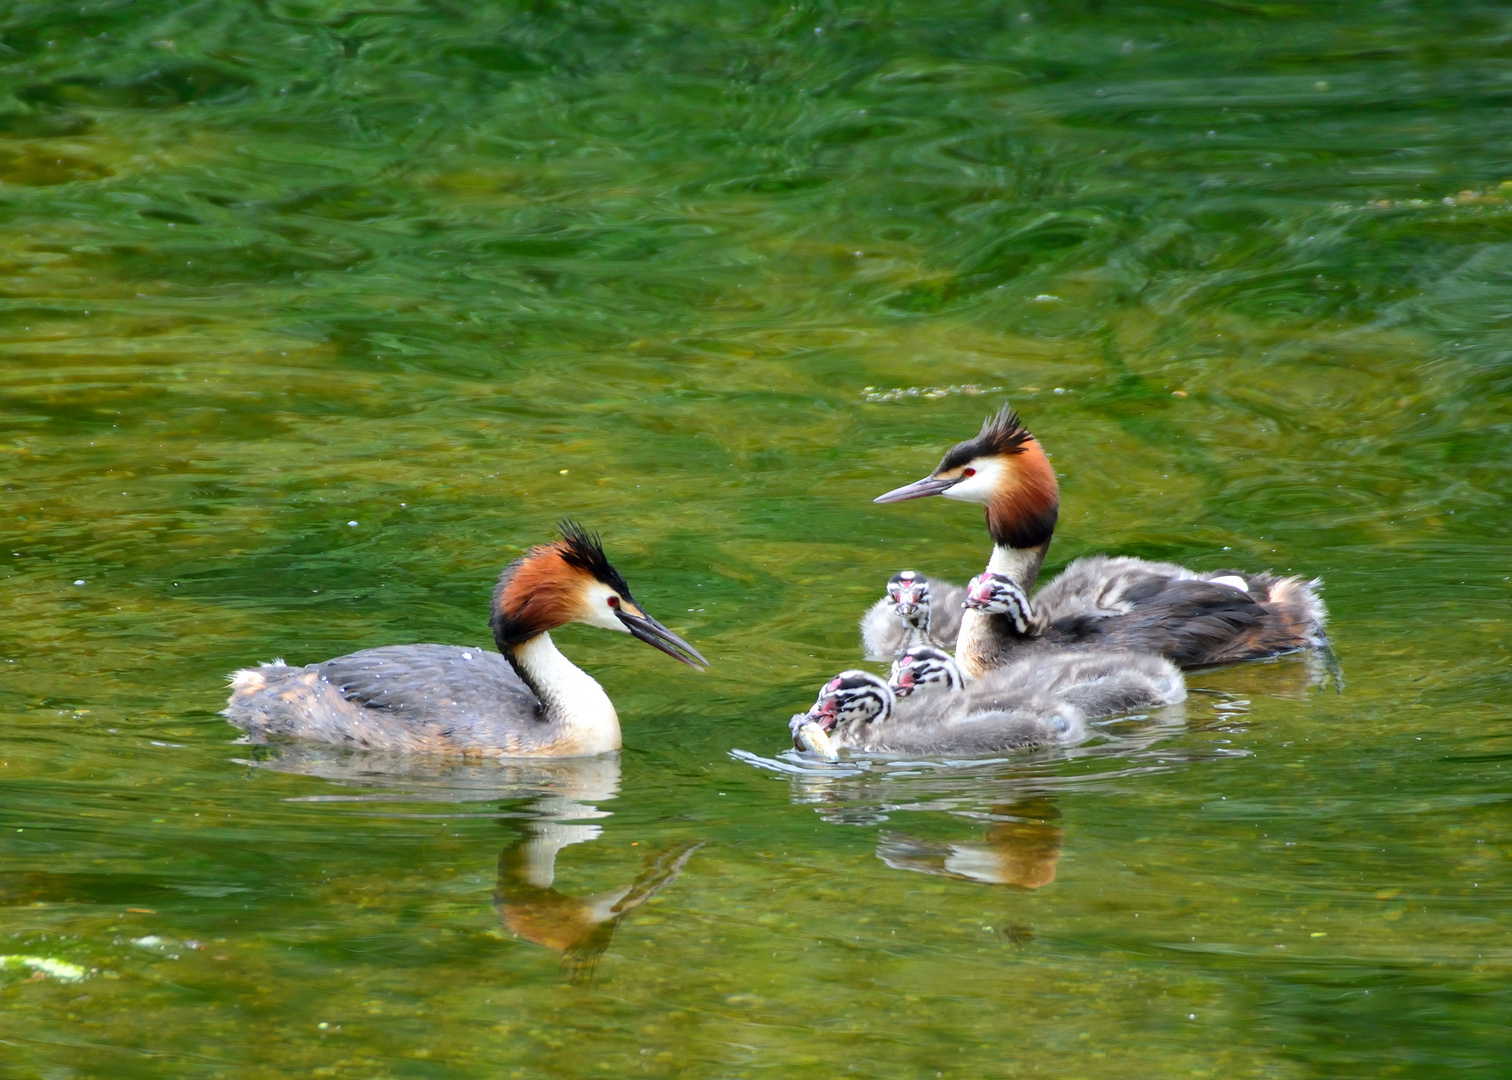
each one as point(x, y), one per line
point(917, 610)
point(1194, 619)
point(1042, 699)
point(527, 700)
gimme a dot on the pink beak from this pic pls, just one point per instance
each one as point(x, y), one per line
point(980, 590)
point(930, 485)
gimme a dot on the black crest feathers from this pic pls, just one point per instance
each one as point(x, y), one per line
point(534, 596)
point(585, 551)
point(1002, 434)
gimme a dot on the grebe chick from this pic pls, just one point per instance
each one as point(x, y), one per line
point(925, 668)
point(1099, 682)
point(528, 700)
point(1043, 698)
point(917, 610)
point(858, 711)
point(1192, 618)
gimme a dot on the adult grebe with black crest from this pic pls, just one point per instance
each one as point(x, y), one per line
point(526, 700)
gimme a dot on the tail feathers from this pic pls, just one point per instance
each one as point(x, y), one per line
point(277, 700)
point(1292, 600)
point(250, 680)
point(1294, 619)
point(1298, 603)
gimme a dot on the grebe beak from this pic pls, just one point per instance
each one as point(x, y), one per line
point(824, 712)
point(658, 636)
point(930, 485)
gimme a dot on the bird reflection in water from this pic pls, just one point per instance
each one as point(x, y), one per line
point(1020, 843)
point(1020, 847)
point(577, 927)
point(552, 804)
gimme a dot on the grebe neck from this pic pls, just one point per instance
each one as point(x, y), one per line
point(1020, 564)
point(987, 639)
point(914, 636)
point(571, 699)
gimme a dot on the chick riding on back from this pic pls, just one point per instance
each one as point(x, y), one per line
point(1194, 619)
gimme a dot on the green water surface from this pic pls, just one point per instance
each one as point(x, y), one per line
point(314, 314)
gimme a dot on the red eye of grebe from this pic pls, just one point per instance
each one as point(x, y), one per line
point(968, 472)
point(614, 601)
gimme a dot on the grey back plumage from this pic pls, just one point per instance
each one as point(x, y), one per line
point(418, 698)
point(930, 725)
point(1098, 683)
point(1040, 699)
point(1195, 619)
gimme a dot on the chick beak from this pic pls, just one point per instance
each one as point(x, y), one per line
point(908, 603)
point(825, 712)
point(979, 591)
point(930, 485)
point(658, 636)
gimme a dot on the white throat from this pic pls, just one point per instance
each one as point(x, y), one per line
point(550, 838)
point(572, 698)
point(977, 646)
point(1020, 564)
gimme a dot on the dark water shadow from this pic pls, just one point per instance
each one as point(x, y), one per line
point(565, 786)
point(1293, 676)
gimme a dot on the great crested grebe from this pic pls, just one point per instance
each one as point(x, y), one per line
point(528, 700)
point(1041, 699)
point(917, 610)
point(1194, 619)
